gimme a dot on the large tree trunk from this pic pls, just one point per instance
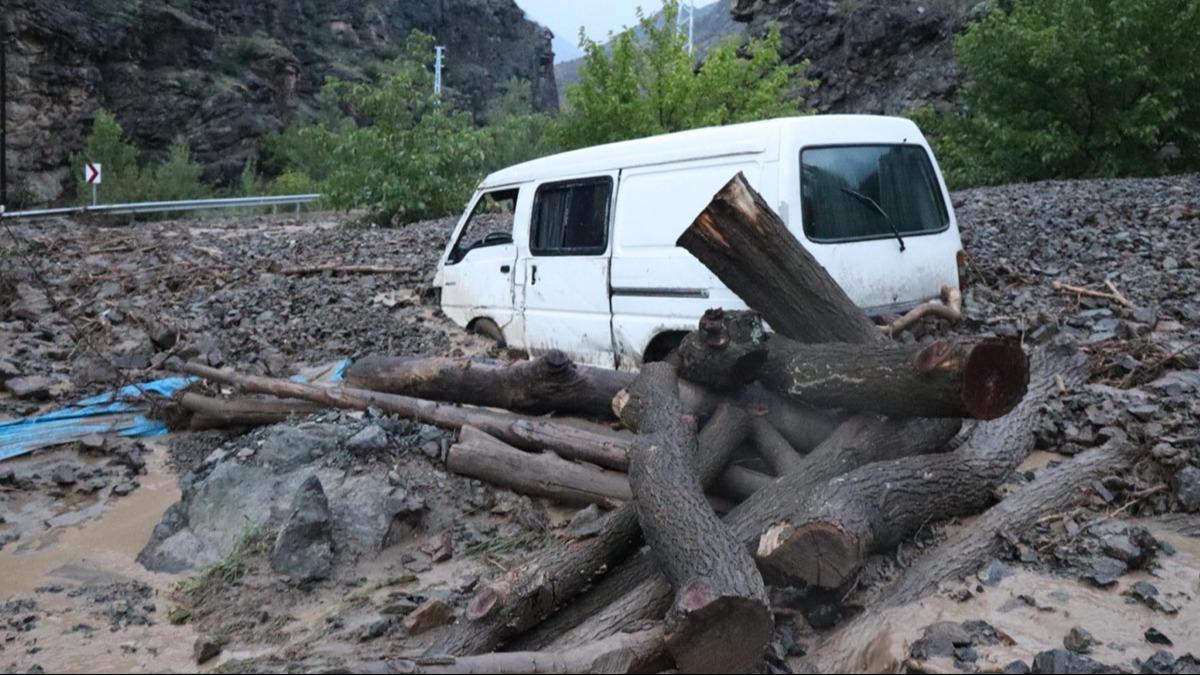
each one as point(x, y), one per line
point(549, 383)
point(727, 352)
point(720, 620)
point(774, 448)
point(635, 591)
point(529, 592)
point(823, 538)
point(542, 474)
point(953, 377)
point(742, 240)
point(623, 653)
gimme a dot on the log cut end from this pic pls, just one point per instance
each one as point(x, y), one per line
point(709, 633)
point(819, 553)
point(995, 378)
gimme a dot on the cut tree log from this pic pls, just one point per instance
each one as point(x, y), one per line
point(544, 474)
point(826, 535)
point(720, 620)
point(953, 377)
point(592, 389)
point(750, 249)
point(622, 653)
point(727, 352)
point(196, 412)
point(636, 592)
point(531, 591)
point(774, 448)
point(549, 383)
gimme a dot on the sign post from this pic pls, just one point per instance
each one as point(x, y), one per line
point(92, 175)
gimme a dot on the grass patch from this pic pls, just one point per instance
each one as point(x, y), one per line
point(255, 542)
point(502, 544)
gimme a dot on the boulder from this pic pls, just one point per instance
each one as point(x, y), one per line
point(304, 547)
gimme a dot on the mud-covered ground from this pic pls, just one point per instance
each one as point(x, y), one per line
point(149, 555)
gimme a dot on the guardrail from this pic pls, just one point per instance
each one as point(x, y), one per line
point(169, 207)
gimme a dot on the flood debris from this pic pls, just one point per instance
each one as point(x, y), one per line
point(445, 508)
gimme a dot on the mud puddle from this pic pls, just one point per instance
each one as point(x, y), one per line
point(94, 608)
point(880, 642)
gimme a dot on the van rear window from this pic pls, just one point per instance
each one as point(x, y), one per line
point(854, 193)
point(571, 218)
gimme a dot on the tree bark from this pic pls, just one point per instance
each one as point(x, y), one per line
point(196, 412)
point(636, 592)
point(727, 352)
point(824, 537)
point(750, 249)
point(953, 377)
point(621, 653)
point(720, 620)
point(543, 474)
point(526, 594)
point(774, 448)
point(549, 383)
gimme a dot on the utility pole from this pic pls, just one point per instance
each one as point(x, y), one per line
point(4, 115)
point(437, 70)
point(688, 8)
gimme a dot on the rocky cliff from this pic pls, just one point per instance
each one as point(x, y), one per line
point(226, 72)
point(871, 56)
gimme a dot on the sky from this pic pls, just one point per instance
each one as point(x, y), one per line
point(598, 17)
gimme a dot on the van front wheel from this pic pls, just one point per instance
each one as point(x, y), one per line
point(489, 329)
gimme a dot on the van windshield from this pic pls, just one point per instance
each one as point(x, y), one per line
point(854, 193)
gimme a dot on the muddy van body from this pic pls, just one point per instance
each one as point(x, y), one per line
point(577, 251)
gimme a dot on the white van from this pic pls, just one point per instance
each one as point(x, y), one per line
point(577, 251)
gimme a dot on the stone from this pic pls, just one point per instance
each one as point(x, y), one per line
point(1156, 637)
point(370, 440)
point(1187, 489)
point(1148, 594)
point(1079, 640)
point(1066, 662)
point(1104, 571)
point(33, 387)
point(432, 613)
point(205, 649)
point(1016, 668)
point(63, 474)
point(376, 629)
point(1161, 663)
point(124, 488)
point(304, 547)
point(992, 573)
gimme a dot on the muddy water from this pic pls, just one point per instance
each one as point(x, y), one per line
point(880, 642)
point(99, 550)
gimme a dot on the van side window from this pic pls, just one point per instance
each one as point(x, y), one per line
point(490, 224)
point(571, 218)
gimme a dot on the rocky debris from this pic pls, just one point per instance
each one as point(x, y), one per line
point(956, 641)
point(1188, 489)
point(304, 547)
point(206, 649)
point(121, 604)
point(1103, 571)
point(33, 387)
point(1156, 637)
point(371, 439)
point(432, 613)
point(1148, 594)
point(1067, 662)
point(1080, 641)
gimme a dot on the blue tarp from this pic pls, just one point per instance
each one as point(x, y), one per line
point(114, 412)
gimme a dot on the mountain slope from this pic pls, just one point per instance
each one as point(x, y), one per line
point(226, 72)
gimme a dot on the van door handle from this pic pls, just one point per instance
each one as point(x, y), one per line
point(505, 269)
point(533, 275)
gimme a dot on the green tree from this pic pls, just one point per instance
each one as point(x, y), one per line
point(390, 147)
point(644, 82)
point(1075, 88)
point(108, 146)
point(179, 177)
point(513, 132)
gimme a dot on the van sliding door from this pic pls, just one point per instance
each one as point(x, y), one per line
point(566, 269)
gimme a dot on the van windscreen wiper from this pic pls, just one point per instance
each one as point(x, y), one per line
point(874, 204)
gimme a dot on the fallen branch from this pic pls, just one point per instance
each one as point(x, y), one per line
point(948, 307)
point(1113, 294)
point(336, 268)
point(197, 412)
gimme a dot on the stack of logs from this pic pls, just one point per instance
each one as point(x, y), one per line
point(863, 439)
